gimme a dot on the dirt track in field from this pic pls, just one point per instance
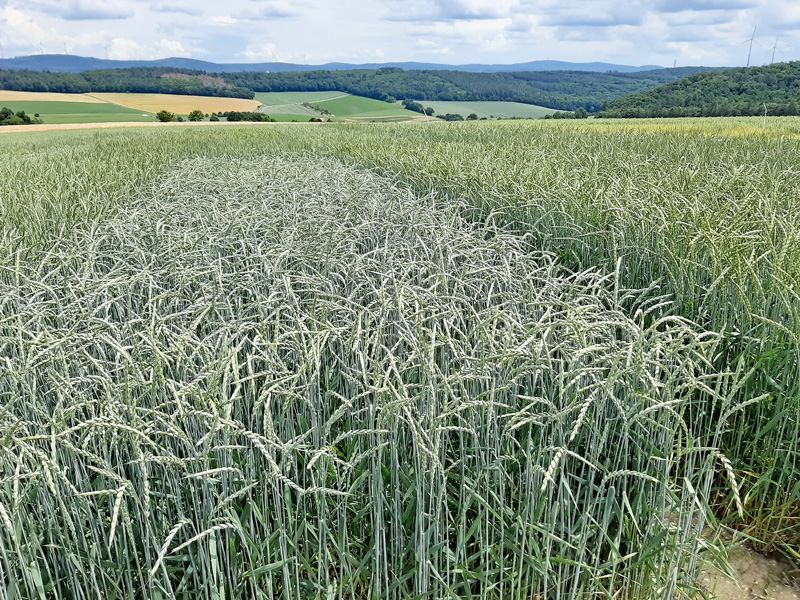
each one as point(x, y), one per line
point(757, 578)
point(64, 126)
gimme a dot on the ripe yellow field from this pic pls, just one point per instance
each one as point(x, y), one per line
point(9, 96)
point(181, 105)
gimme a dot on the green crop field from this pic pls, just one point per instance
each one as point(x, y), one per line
point(504, 110)
point(282, 98)
point(528, 360)
point(291, 103)
point(364, 109)
point(78, 112)
point(343, 107)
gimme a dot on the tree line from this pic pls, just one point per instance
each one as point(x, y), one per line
point(745, 91)
point(146, 80)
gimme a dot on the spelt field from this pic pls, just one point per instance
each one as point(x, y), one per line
point(475, 360)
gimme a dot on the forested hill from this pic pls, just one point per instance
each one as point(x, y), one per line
point(733, 92)
point(148, 80)
point(561, 90)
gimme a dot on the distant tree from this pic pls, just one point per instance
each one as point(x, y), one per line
point(214, 117)
point(411, 105)
point(196, 115)
point(581, 113)
point(450, 117)
point(180, 119)
point(14, 120)
point(429, 111)
point(248, 116)
point(165, 116)
point(472, 117)
point(7, 117)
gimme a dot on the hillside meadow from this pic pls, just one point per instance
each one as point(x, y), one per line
point(472, 360)
point(134, 107)
point(489, 110)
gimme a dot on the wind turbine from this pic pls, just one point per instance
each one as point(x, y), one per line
point(65, 48)
point(752, 40)
point(774, 48)
point(106, 47)
point(41, 45)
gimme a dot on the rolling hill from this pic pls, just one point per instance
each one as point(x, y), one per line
point(61, 63)
point(558, 90)
point(733, 92)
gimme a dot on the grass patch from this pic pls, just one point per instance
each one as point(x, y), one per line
point(488, 110)
point(357, 107)
point(284, 98)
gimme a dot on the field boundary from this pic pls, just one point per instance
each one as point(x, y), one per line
point(110, 125)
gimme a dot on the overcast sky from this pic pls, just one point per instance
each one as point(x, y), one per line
point(637, 32)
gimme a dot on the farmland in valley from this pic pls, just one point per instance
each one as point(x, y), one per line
point(341, 106)
point(99, 108)
point(282, 106)
point(505, 110)
point(476, 360)
point(69, 108)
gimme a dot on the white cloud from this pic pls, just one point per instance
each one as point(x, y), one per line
point(93, 39)
point(127, 49)
point(167, 48)
point(265, 53)
point(124, 49)
point(177, 7)
point(90, 10)
point(273, 9)
point(18, 29)
point(468, 31)
point(223, 20)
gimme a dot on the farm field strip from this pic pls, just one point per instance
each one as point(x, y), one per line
point(358, 106)
point(79, 112)
point(178, 104)
point(12, 96)
point(281, 98)
point(342, 106)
